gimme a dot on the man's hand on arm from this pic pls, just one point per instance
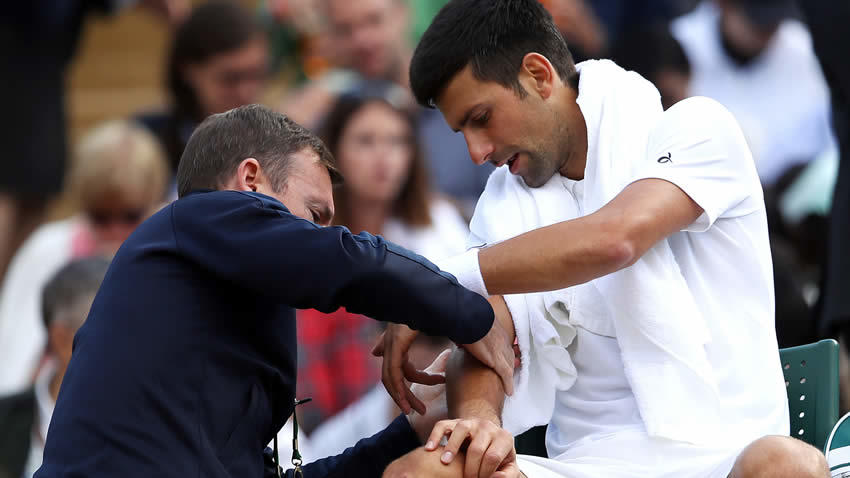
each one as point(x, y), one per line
point(397, 369)
point(475, 394)
point(576, 251)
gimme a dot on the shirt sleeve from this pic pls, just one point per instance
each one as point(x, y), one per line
point(258, 245)
point(698, 146)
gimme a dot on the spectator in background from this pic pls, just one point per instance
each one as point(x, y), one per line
point(370, 42)
point(656, 55)
point(119, 177)
point(218, 61)
point(24, 417)
point(38, 40)
point(756, 59)
point(386, 193)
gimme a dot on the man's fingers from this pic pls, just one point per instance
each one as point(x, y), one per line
point(500, 450)
point(378, 349)
point(510, 470)
point(459, 435)
point(414, 401)
point(396, 394)
point(506, 373)
point(394, 382)
point(475, 454)
point(421, 376)
point(440, 429)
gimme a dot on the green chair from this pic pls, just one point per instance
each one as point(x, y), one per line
point(811, 380)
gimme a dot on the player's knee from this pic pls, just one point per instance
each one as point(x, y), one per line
point(780, 457)
point(420, 463)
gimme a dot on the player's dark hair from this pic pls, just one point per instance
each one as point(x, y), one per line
point(492, 36)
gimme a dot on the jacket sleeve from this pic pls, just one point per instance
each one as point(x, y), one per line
point(258, 245)
point(368, 458)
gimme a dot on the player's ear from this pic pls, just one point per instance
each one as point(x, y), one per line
point(537, 74)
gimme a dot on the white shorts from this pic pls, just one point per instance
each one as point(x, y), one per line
point(633, 456)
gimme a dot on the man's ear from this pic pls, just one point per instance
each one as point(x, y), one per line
point(248, 175)
point(537, 74)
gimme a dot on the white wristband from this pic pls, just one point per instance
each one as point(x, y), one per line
point(466, 270)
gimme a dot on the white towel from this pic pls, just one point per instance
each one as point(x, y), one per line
point(506, 209)
point(659, 329)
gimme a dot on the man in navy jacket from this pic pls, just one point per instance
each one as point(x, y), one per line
point(186, 363)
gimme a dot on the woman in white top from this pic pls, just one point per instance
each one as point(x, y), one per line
point(386, 189)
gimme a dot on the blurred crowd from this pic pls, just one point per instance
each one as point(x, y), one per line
point(343, 67)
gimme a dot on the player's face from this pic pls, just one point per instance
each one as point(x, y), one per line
point(504, 129)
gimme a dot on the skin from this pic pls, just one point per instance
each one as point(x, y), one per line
point(369, 36)
point(230, 79)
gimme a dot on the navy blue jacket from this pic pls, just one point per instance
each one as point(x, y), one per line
point(186, 363)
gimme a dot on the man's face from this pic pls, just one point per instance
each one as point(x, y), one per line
point(526, 134)
point(308, 192)
point(369, 35)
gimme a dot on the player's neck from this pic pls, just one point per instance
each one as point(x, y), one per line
point(575, 133)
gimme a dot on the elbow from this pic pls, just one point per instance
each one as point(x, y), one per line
point(621, 253)
point(629, 241)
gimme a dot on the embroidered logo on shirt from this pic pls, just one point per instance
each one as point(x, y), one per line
point(666, 159)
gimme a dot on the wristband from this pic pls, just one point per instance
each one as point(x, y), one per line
point(466, 270)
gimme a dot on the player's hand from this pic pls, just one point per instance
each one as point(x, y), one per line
point(396, 368)
point(496, 351)
point(490, 450)
point(433, 396)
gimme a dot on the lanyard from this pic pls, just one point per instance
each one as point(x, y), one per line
point(296, 455)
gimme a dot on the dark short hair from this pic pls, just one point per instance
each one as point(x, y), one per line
point(492, 36)
point(223, 140)
point(77, 280)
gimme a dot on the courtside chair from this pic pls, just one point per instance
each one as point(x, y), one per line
point(811, 380)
